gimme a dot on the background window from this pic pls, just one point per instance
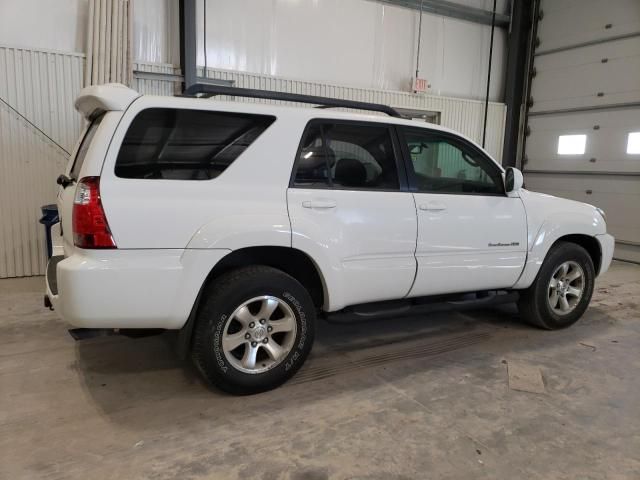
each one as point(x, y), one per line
point(633, 143)
point(572, 144)
point(166, 143)
point(443, 165)
point(348, 156)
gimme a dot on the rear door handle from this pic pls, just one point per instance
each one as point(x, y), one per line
point(319, 204)
point(433, 206)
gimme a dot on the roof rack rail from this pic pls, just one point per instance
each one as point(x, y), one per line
point(208, 90)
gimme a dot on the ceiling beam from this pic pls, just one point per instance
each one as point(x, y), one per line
point(451, 9)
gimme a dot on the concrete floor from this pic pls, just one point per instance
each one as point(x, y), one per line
point(397, 399)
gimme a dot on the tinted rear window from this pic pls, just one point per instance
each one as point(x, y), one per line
point(84, 146)
point(179, 144)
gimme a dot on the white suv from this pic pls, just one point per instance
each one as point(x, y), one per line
point(239, 223)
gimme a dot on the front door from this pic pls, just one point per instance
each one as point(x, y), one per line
point(351, 211)
point(471, 235)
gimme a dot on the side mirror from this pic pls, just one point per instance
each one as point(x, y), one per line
point(513, 180)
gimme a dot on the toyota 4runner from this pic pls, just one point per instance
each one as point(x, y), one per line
point(239, 223)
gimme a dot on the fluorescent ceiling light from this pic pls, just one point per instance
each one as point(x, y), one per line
point(571, 144)
point(633, 143)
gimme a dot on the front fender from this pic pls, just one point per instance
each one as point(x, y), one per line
point(553, 228)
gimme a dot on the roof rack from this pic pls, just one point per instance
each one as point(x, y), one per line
point(208, 90)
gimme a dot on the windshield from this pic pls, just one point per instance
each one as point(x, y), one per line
point(84, 146)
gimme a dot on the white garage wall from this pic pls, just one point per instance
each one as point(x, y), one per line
point(358, 43)
point(45, 24)
point(588, 83)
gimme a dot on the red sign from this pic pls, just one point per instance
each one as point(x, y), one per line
point(420, 85)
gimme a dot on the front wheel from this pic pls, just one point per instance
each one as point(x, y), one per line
point(562, 290)
point(254, 330)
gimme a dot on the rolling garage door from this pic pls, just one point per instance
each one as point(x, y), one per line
point(583, 139)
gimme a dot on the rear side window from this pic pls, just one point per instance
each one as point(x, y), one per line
point(84, 146)
point(181, 144)
point(348, 156)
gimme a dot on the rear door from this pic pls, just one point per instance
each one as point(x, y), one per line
point(350, 208)
point(471, 235)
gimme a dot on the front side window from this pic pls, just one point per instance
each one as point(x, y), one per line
point(181, 144)
point(444, 164)
point(348, 156)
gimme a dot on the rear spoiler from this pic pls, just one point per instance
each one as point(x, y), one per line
point(96, 99)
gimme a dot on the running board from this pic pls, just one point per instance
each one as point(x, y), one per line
point(87, 333)
point(419, 306)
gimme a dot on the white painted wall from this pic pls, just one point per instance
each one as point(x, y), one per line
point(350, 42)
point(46, 24)
point(156, 31)
point(360, 43)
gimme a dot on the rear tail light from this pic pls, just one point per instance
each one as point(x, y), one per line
point(90, 226)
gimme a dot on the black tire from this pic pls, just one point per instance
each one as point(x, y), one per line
point(220, 300)
point(534, 304)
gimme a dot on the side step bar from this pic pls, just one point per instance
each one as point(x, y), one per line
point(87, 333)
point(419, 306)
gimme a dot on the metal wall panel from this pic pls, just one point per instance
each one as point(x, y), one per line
point(571, 22)
point(583, 77)
point(42, 86)
point(156, 31)
point(587, 82)
point(465, 116)
point(363, 43)
point(606, 148)
point(149, 85)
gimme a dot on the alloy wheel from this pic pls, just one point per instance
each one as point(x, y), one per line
point(259, 334)
point(566, 287)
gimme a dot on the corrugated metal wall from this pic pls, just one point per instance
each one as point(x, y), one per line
point(465, 116)
point(41, 86)
point(155, 86)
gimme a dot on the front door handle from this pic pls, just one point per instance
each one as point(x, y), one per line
point(319, 204)
point(433, 206)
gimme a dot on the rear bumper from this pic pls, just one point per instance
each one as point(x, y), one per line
point(128, 288)
point(607, 245)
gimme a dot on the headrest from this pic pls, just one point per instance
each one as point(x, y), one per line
point(350, 173)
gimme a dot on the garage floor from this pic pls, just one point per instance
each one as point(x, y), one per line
point(411, 398)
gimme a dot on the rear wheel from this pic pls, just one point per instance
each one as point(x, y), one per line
point(254, 330)
point(562, 290)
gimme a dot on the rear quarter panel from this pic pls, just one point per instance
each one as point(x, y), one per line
point(246, 205)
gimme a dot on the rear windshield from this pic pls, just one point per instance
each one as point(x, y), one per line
point(84, 146)
point(181, 144)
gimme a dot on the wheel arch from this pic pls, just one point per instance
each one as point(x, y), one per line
point(539, 253)
point(588, 242)
point(290, 260)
